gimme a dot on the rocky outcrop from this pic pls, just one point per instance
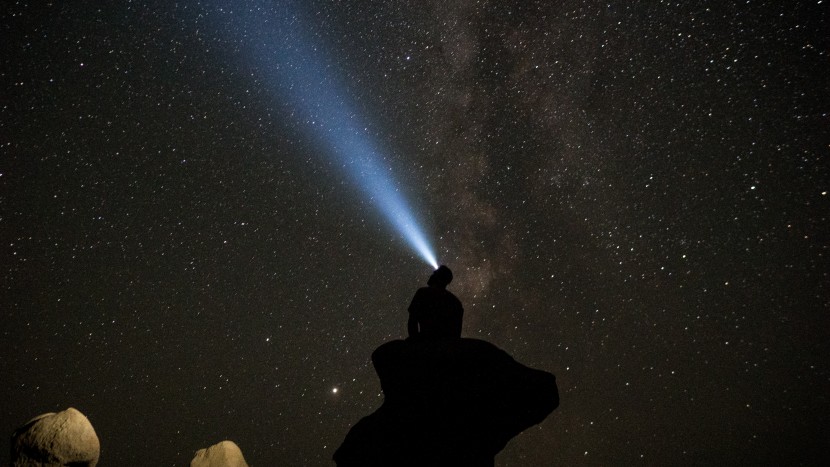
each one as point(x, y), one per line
point(56, 439)
point(455, 402)
point(222, 454)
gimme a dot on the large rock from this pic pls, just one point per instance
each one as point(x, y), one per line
point(56, 439)
point(222, 454)
point(454, 402)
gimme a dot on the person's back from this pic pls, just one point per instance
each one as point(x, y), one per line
point(435, 312)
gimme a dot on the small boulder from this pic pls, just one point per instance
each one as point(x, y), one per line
point(222, 454)
point(56, 439)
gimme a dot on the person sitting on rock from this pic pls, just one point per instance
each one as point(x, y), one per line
point(435, 313)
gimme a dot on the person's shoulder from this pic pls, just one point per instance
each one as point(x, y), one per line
point(421, 293)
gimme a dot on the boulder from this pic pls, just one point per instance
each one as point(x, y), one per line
point(56, 439)
point(452, 402)
point(222, 454)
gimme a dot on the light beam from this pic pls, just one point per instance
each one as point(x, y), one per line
point(294, 70)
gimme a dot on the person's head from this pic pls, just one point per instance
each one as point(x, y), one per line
point(441, 277)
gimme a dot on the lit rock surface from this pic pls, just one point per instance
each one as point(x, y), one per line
point(56, 439)
point(222, 454)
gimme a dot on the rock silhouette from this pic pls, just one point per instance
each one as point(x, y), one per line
point(453, 402)
point(56, 439)
point(222, 454)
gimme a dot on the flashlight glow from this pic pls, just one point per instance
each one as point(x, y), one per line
point(295, 72)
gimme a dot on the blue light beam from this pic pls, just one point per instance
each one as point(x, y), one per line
point(294, 70)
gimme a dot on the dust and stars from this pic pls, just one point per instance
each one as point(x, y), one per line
point(632, 196)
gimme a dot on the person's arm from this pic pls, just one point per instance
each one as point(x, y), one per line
point(460, 321)
point(412, 326)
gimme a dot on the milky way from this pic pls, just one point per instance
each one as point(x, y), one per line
point(632, 196)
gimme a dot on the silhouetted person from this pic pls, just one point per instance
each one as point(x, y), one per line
point(435, 312)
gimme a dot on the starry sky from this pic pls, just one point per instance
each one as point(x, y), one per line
point(632, 196)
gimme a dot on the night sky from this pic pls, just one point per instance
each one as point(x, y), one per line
point(632, 196)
